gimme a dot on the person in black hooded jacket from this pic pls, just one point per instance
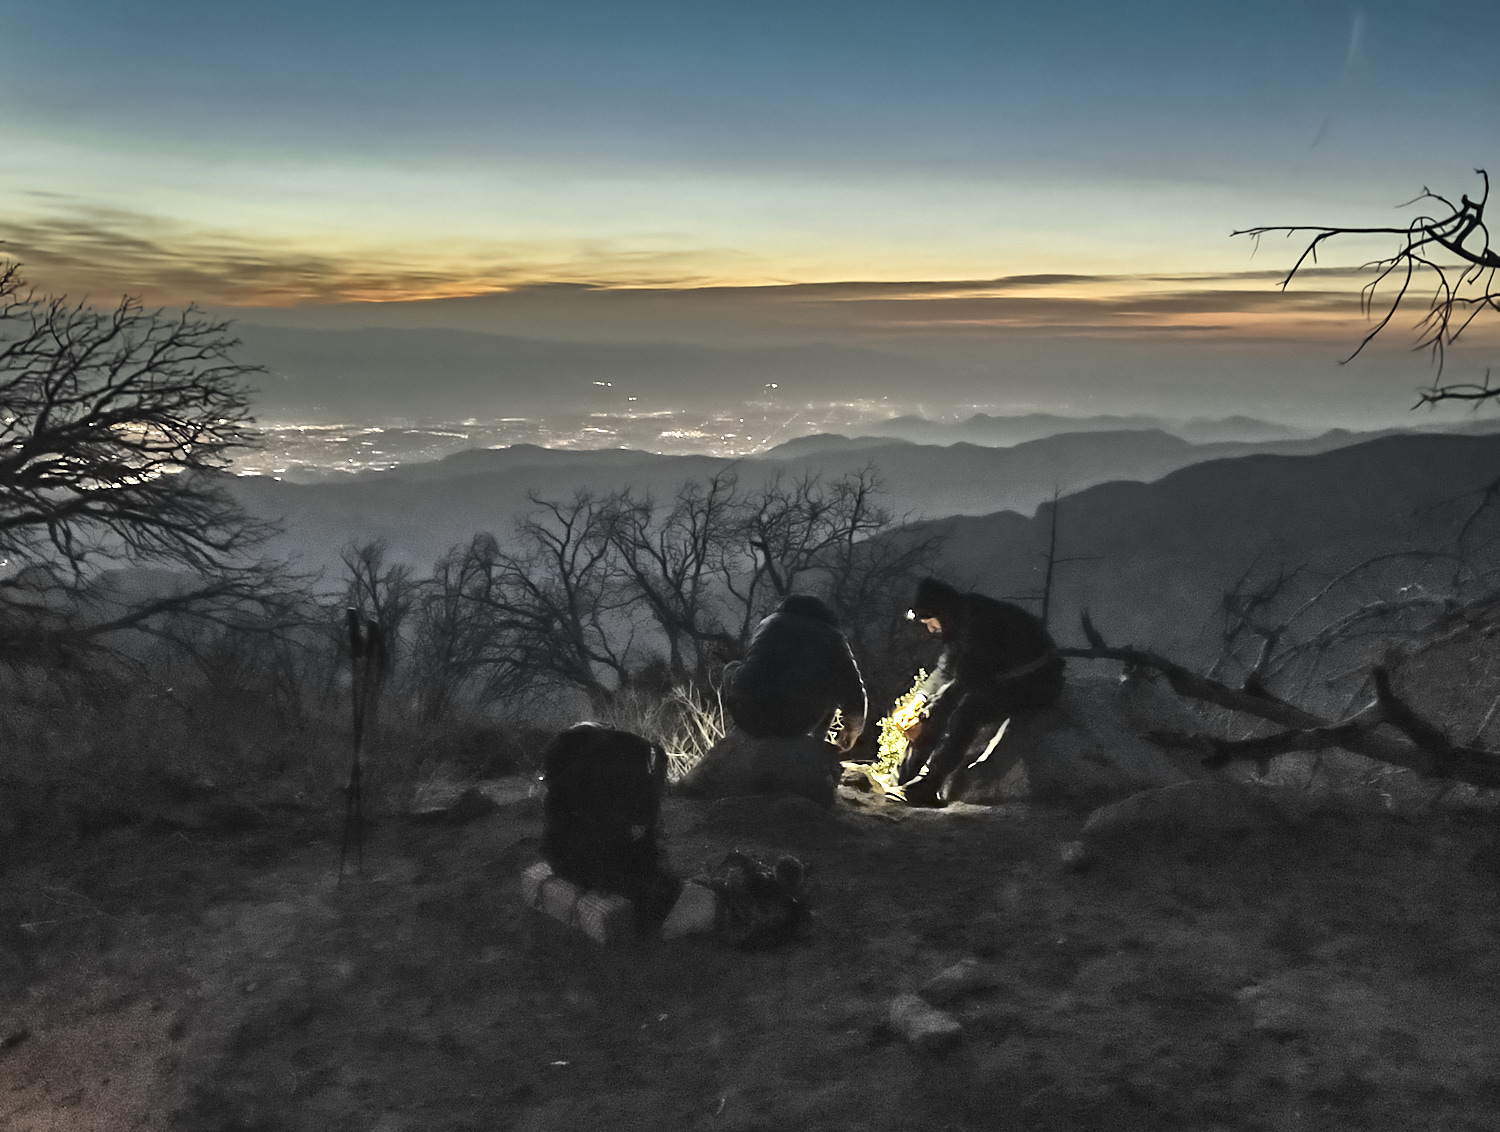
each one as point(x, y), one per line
point(998, 660)
point(797, 670)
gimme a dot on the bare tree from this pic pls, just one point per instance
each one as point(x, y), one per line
point(114, 427)
point(804, 534)
point(1450, 250)
point(587, 590)
point(672, 558)
point(458, 649)
point(1051, 560)
point(557, 606)
point(381, 592)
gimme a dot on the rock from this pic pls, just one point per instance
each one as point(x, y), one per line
point(1275, 1015)
point(603, 917)
point(693, 914)
point(923, 1027)
point(1346, 1016)
point(1211, 807)
point(1089, 746)
point(1074, 856)
point(511, 791)
point(966, 977)
point(739, 764)
point(472, 804)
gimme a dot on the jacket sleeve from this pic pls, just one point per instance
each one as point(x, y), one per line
point(940, 678)
point(851, 691)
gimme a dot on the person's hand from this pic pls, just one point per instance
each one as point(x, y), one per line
point(909, 719)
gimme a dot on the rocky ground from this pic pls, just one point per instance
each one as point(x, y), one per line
point(1338, 971)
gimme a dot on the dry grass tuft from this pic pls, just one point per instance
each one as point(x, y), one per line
point(686, 722)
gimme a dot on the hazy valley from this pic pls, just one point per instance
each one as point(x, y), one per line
point(422, 508)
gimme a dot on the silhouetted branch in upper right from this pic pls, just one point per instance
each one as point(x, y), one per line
point(1455, 247)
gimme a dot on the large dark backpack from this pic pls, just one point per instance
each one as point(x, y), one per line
point(601, 822)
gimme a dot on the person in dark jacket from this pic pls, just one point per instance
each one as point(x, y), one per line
point(797, 670)
point(998, 661)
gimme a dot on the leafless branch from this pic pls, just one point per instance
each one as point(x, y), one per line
point(115, 429)
point(1451, 248)
point(1421, 746)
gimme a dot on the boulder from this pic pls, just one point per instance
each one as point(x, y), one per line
point(961, 979)
point(1088, 747)
point(469, 805)
point(694, 913)
point(739, 764)
point(1209, 808)
point(922, 1026)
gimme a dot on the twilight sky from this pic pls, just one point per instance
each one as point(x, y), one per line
point(660, 170)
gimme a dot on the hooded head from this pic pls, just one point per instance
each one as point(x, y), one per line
point(935, 599)
point(805, 605)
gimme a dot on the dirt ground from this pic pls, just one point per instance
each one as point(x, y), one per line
point(1340, 975)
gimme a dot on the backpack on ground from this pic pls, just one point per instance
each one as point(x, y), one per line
point(601, 820)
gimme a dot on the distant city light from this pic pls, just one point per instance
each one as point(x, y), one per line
point(302, 451)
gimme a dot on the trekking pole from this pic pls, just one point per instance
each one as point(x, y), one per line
point(367, 669)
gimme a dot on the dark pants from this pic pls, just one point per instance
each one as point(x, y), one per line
point(956, 718)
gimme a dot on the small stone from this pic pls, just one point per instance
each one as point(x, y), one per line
point(967, 976)
point(1074, 856)
point(1273, 1015)
point(922, 1026)
point(693, 913)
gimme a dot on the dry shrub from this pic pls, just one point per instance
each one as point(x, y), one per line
point(686, 722)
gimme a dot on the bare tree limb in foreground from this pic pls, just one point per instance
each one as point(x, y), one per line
point(1417, 745)
point(1454, 247)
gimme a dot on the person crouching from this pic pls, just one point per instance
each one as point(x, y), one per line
point(798, 670)
point(998, 661)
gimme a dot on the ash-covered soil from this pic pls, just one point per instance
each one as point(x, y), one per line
point(1337, 975)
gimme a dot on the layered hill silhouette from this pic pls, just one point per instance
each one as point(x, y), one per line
point(423, 509)
point(1151, 513)
point(982, 428)
point(1153, 560)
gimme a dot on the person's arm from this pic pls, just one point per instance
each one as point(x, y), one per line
point(852, 699)
point(909, 719)
point(941, 678)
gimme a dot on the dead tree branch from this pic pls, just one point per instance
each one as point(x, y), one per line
point(1420, 746)
point(1452, 249)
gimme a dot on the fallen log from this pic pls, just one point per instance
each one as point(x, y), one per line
point(1416, 744)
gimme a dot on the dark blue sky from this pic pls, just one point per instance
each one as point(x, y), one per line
point(300, 155)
